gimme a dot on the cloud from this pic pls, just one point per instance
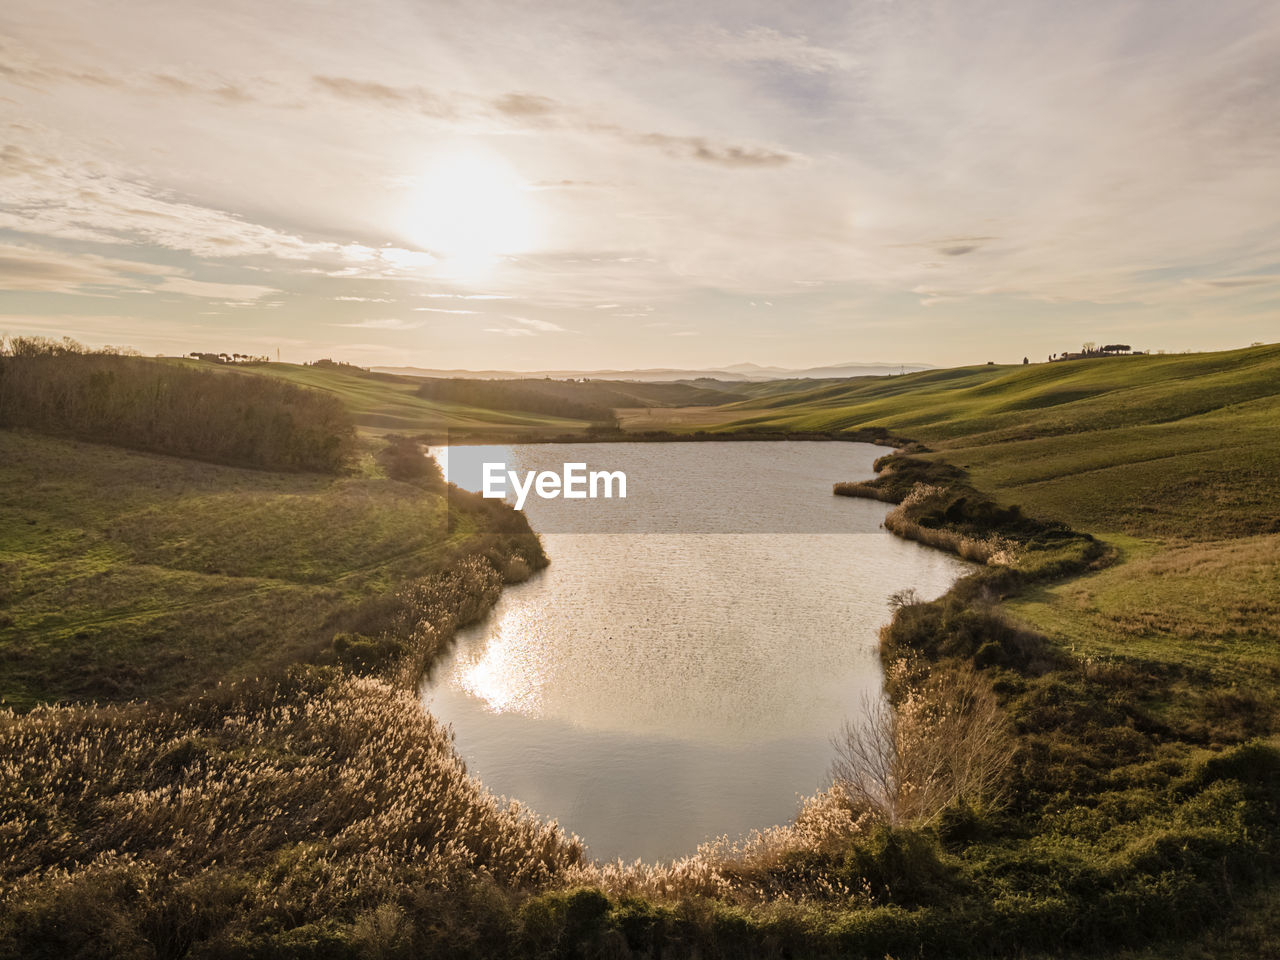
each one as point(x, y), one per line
point(24, 67)
point(228, 94)
point(385, 323)
point(443, 310)
point(214, 291)
point(416, 98)
point(765, 45)
point(542, 326)
point(15, 160)
point(39, 270)
point(951, 246)
point(526, 105)
point(89, 203)
point(566, 184)
point(932, 295)
point(540, 112)
point(700, 148)
point(526, 327)
point(1232, 282)
point(466, 296)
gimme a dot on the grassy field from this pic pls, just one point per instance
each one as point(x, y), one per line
point(138, 575)
point(317, 813)
point(385, 403)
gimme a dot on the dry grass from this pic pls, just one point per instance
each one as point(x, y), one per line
point(329, 794)
point(946, 741)
point(747, 872)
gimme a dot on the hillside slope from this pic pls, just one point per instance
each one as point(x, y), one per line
point(1181, 446)
point(382, 403)
point(127, 574)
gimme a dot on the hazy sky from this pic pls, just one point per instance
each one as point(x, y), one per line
point(558, 184)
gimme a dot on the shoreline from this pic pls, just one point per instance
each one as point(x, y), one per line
point(876, 435)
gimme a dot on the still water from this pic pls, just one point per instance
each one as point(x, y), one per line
point(678, 672)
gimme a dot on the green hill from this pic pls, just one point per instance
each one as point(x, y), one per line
point(126, 574)
point(382, 403)
point(1146, 446)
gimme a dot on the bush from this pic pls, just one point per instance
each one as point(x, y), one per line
point(944, 742)
point(406, 460)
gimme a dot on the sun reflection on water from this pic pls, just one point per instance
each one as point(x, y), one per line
point(506, 673)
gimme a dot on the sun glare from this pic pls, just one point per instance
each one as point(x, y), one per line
point(470, 208)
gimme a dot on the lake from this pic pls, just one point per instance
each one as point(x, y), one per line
point(679, 670)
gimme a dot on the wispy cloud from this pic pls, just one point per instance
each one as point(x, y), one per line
point(212, 290)
point(466, 296)
point(36, 269)
point(540, 112)
point(43, 196)
point(541, 326)
point(383, 323)
point(1233, 282)
point(765, 45)
point(526, 327)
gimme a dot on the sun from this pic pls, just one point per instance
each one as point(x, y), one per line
point(470, 209)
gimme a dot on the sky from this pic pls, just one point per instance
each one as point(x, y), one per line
point(587, 185)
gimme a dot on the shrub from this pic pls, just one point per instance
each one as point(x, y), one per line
point(944, 742)
point(406, 460)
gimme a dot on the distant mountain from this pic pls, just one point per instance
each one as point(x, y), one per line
point(736, 373)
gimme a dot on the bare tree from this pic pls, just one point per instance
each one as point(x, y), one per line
point(946, 741)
